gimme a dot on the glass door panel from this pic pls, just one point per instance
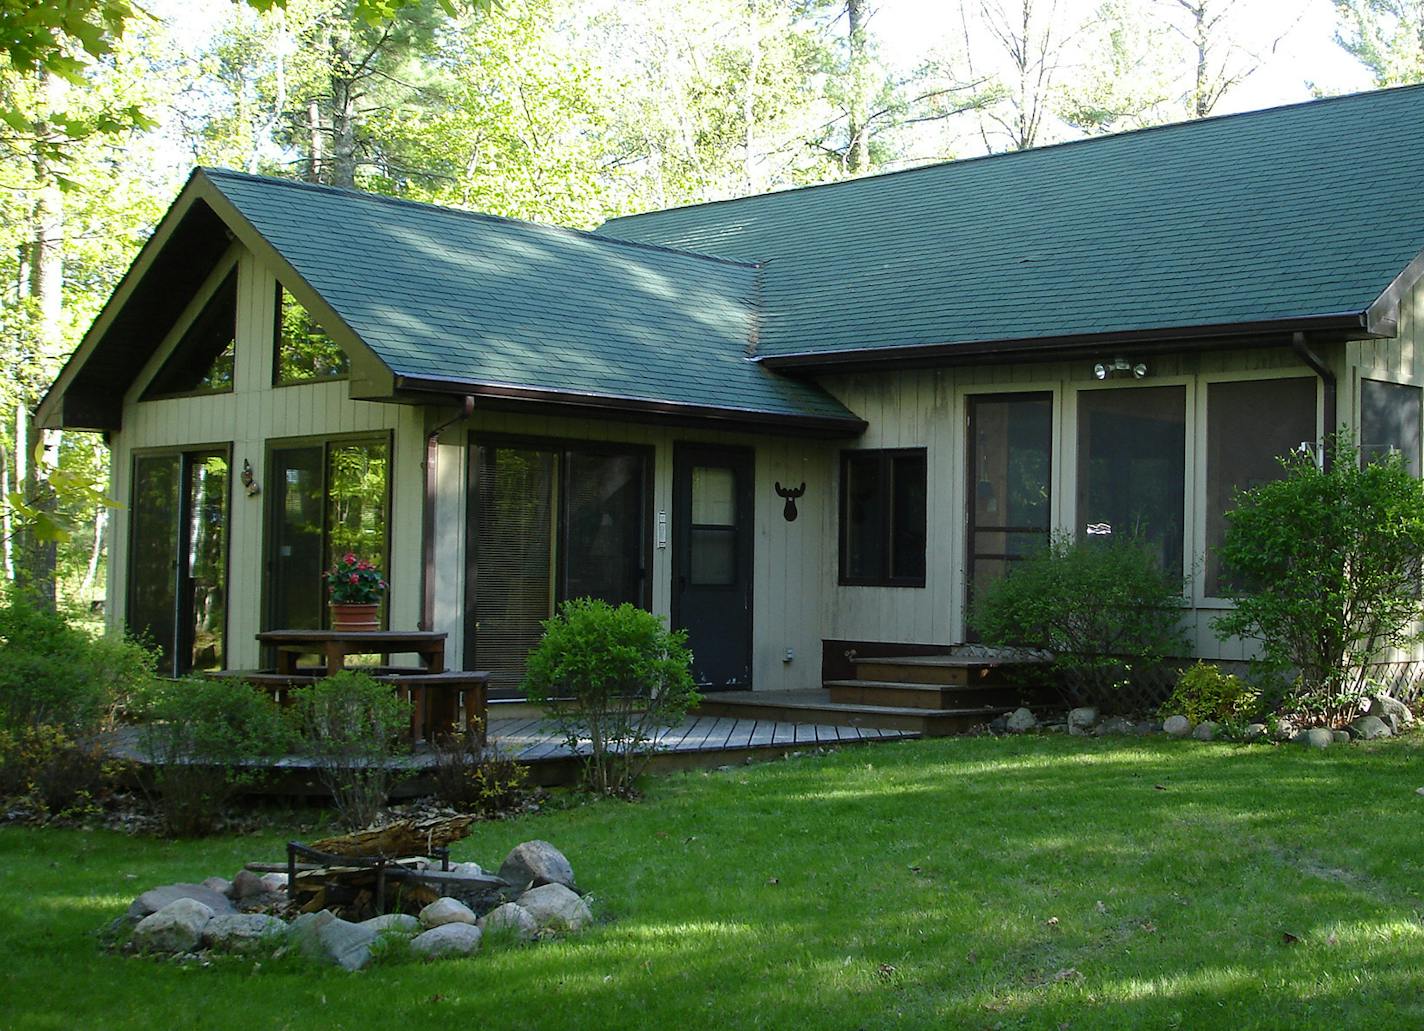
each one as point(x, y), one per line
point(511, 576)
point(205, 579)
point(295, 560)
point(153, 553)
point(603, 550)
point(356, 494)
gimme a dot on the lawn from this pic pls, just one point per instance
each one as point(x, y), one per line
point(1028, 882)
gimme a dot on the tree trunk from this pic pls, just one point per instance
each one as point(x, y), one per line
point(858, 148)
point(316, 143)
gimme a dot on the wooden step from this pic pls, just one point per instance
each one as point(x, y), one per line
point(925, 722)
point(919, 696)
point(930, 669)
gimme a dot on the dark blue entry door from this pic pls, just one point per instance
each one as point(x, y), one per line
point(712, 562)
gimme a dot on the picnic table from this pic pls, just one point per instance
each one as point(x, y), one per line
point(437, 695)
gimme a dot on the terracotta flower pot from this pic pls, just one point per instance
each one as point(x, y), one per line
point(346, 616)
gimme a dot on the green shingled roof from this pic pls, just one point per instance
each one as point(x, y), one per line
point(1269, 216)
point(451, 296)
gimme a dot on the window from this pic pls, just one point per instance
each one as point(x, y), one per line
point(548, 521)
point(304, 353)
point(1132, 468)
point(326, 498)
point(1010, 465)
point(883, 499)
point(1250, 426)
point(202, 360)
point(1389, 421)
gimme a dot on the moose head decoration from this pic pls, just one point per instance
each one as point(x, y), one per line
point(790, 494)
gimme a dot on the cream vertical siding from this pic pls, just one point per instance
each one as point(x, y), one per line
point(248, 418)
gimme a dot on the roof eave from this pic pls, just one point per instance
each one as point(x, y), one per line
point(1265, 333)
point(508, 397)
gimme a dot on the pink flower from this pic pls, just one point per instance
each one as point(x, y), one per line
point(349, 557)
point(354, 578)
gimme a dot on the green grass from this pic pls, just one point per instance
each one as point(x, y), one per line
point(955, 883)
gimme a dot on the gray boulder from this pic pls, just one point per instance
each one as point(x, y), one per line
point(535, 863)
point(155, 899)
point(447, 940)
point(1081, 719)
point(467, 869)
point(1382, 705)
point(1206, 730)
point(1255, 731)
point(1341, 737)
point(242, 932)
point(512, 919)
point(1020, 720)
point(303, 932)
point(1315, 737)
point(402, 922)
point(1285, 731)
point(446, 911)
point(275, 883)
point(177, 927)
point(221, 885)
point(1177, 726)
point(1369, 727)
point(248, 885)
point(555, 906)
point(1114, 725)
point(345, 944)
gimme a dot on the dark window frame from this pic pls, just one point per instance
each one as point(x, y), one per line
point(325, 441)
point(885, 458)
point(277, 380)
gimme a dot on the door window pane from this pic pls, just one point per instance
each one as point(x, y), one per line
point(1389, 421)
point(153, 552)
point(1250, 425)
point(356, 499)
point(1132, 468)
point(714, 496)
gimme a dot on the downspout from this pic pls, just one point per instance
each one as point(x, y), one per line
point(427, 515)
point(1327, 380)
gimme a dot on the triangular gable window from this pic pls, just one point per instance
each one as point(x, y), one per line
point(202, 363)
point(305, 354)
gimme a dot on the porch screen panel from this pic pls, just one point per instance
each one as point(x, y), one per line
point(603, 540)
point(1010, 470)
point(512, 571)
point(1132, 468)
point(1250, 425)
point(207, 503)
point(153, 552)
point(296, 559)
point(1389, 421)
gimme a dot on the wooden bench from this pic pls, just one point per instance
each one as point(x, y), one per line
point(435, 697)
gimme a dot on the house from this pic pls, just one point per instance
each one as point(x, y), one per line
point(794, 423)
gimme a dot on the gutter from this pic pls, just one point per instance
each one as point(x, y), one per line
point(427, 514)
point(1331, 386)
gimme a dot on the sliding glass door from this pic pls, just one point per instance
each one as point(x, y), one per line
point(326, 498)
point(177, 567)
point(548, 521)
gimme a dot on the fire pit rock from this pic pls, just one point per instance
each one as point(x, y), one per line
point(253, 912)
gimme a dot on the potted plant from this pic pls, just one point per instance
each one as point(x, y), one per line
point(353, 591)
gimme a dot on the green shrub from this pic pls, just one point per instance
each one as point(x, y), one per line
point(611, 678)
point(44, 770)
point(1324, 568)
point(52, 674)
point(477, 780)
point(355, 727)
point(207, 740)
point(1204, 692)
point(1106, 612)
